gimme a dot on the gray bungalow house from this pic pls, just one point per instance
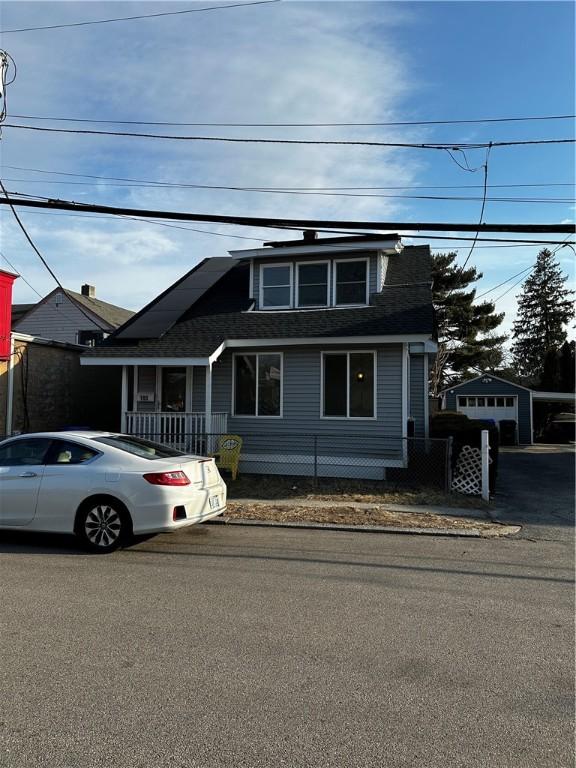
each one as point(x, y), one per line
point(314, 351)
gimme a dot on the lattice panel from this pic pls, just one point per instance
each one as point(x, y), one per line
point(468, 472)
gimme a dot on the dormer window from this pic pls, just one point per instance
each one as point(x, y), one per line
point(276, 288)
point(312, 284)
point(350, 282)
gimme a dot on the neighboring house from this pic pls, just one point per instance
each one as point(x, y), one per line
point(491, 397)
point(42, 386)
point(75, 318)
point(309, 348)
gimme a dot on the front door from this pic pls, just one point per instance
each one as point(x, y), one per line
point(21, 471)
point(173, 390)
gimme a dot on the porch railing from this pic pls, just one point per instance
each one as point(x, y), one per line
point(182, 430)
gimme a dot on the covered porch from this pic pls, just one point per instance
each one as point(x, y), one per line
point(171, 403)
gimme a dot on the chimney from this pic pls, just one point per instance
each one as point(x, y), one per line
point(309, 235)
point(88, 290)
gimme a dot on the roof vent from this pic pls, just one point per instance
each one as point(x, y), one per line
point(309, 235)
point(88, 290)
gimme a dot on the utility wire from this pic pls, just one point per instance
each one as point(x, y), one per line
point(270, 191)
point(526, 269)
point(298, 125)
point(495, 301)
point(133, 18)
point(282, 188)
point(443, 146)
point(35, 249)
point(281, 223)
point(507, 243)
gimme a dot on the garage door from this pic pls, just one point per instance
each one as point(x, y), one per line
point(497, 408)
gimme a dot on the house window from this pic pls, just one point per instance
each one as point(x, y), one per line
point(348, 385)
point(276, 286)
point(509, 402)
point(500, 402)
point(491, 402)
point(312, 284)
point(351, 282)
point(90, 338)
point(481, 402)
point(462, 402)
point(258, 384)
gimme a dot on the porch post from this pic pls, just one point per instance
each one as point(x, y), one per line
point(208, 404)
point(124, 399)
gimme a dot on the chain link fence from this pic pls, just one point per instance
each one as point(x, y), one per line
point(407, 462)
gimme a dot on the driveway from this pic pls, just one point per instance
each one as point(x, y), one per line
point(536, 489)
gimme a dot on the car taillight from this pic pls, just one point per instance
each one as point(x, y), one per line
point(167, 478)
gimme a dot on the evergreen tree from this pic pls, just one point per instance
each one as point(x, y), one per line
point(568, 366)
point(545, 307)
point(467, 344)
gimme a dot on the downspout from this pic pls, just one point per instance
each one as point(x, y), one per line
point(10, 389)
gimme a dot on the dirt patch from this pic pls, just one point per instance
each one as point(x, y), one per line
point(351, 515)
point(330, 489)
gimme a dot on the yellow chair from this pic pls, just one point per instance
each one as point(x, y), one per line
point(227, 454)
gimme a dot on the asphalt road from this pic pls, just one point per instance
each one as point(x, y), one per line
point(268, 647)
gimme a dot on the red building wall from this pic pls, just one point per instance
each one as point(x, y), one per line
point(6, 281)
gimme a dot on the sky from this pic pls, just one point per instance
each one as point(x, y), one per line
point(283, 62)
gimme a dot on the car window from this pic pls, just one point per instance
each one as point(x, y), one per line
point(66, 452)
point(26, 452)
point(137, 446)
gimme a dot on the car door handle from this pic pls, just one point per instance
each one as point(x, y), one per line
point(29, 474)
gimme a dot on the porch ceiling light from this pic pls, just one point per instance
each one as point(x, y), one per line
point(359, 376)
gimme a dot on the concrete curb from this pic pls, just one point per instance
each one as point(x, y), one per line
point(475, 533)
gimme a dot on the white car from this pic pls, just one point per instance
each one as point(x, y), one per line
point(103, 486)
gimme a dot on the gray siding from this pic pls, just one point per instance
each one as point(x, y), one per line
point(302, 395)
point(418, 392)
point(495, 387)
point(344, 447)
point(147, 383)
point(372, 278)
point(57, 318)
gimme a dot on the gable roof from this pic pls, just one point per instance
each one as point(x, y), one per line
point(225, 312)
point(111, 314)
point(108, 316)
point(482, 376)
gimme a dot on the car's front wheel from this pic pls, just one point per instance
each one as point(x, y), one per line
point(102, 525)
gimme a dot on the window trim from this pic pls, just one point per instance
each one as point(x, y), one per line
point(256, 415)
point(366, 259)
point(297, 266)
point(349, 352)
point(261, 286)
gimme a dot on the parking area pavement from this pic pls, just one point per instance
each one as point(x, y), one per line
point(536, 487)
point(227, 646)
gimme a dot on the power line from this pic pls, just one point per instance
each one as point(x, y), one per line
point(495, 301)
point(283, 188)
point(298, 125)
point(506, 243)
point(133, 18)
point(42, 259)
point(271, 191)
point(443, 146)
point(498, 242)
point(281, 223)
point(526, 269)
point(20, 275)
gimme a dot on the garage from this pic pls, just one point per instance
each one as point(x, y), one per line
point(490, 397)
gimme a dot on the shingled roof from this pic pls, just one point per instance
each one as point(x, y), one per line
point(404, 307)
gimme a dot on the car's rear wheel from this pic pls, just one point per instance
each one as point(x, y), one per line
point(102, 525)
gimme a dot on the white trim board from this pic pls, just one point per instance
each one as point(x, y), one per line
point(247, 343)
